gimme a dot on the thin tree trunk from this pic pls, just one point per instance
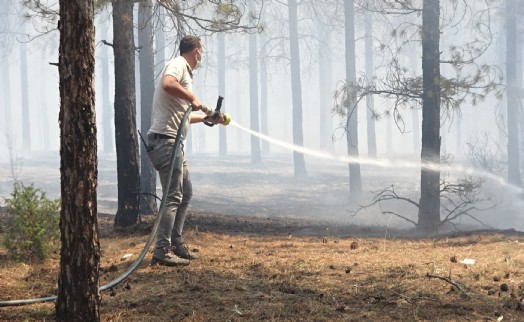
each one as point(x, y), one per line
point(222, 134)
point(7, 122)
point(512, 94)
point(160, 42)
point(125, 114)
point(26, 124)
point(264, 128)
point(296, 90)
point(147, 88)
point(325, 121)
point(256, 155)
point(264, 108)
point(355, 180)
point(108, 111)
point(415, 112)
point(372, 140)
point(502, 104)
point(429, 210)
point(78, 297)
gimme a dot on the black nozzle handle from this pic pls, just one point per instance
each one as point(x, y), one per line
point(219, 103)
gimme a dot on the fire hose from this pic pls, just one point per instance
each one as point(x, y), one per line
point(211, 115)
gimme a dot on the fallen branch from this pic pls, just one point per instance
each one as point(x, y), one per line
point(457, 285)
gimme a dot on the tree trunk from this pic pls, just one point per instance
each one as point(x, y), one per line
point(429, 206)
point(125, 114)
point(26, 125)
point(78, 297)
point(108, 111)
point(222, 134)
point(160, 41)
point(7, 119)
point(501, 113)
point(44, 111)
point(415, 111)
point(324, 66)
point(147, 88)
point(372, 140)
point(264, 126)
point(256, 155)
point(296, 90)
point(355, 180)
point(513, 92)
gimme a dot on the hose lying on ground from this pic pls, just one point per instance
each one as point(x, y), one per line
point(142, 255)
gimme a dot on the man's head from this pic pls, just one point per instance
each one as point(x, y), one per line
point(191, 48)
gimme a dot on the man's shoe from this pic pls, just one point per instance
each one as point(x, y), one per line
point(182, 251)
point(165, 256)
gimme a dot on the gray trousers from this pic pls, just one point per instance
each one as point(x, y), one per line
point(180, 191)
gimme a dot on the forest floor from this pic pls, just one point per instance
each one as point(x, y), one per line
point(271, 250)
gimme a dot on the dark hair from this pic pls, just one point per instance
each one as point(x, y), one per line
point(188, 43)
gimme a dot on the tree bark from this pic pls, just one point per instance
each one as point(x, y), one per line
point(222, 134)
point(125, 114)
point(370, 102)
point(296, 90)
point(7, 119)
point(24, 85)
point(160, 41)
point(147, 88)
point(108, 111)
point(256, 155)
point(264, 111)
point(78, 297)
point(429, 206)
point(513, 93)
point(325, 121)
point(355, 180)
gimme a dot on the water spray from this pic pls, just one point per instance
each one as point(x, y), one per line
point(382, 162)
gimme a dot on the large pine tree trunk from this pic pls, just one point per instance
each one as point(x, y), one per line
point(296, 90)
point(125, 114)
point(78, 298)
point(513, 92)
point(429, 211)
point(147, 89)
point(355, 180)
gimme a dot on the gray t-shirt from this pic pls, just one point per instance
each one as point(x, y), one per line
point(168, 111)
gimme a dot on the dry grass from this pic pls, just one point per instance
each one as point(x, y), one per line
point(279, 275)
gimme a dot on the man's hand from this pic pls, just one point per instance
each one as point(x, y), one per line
point(220, 119)
point(195, 104)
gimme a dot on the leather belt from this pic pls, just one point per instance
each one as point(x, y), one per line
point(158, 136)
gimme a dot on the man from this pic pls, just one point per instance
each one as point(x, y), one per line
point(173, 96)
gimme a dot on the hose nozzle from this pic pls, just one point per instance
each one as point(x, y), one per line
point(216, 113)
point(227, 119)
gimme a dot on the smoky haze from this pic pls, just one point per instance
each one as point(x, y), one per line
point(473, 127)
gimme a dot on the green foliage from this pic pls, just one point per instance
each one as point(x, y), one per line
point(32, 228)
